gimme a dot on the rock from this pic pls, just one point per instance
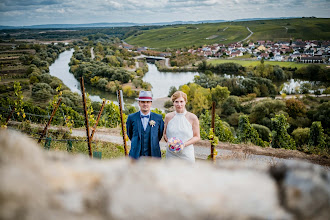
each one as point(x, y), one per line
point(37, 184)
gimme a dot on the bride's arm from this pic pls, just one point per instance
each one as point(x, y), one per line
point(165, 126)
point(196, 133)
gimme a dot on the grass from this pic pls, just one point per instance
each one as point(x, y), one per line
point(180, 36)
point(79, 146)
point(108, 150)
point(253, 63)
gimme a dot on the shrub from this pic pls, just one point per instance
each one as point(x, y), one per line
point(316, 135)
point(295, 108)
point(172, 91)
point(263, 131)
point(279, 136)
point(301, 136)
point(41, 91)
point(158, 111)
point(222, 129)
point(246, 133)
point(128, 92)
point(168, 104)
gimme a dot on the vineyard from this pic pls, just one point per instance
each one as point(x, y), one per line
point(300, 123)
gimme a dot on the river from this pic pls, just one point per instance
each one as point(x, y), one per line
point(160, 81)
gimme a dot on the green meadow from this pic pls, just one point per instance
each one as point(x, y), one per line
point(253, 63)
point(180, 36)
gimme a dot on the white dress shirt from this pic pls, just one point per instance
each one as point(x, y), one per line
point(145, 120)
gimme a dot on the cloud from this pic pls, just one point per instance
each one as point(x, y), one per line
point(18, 12)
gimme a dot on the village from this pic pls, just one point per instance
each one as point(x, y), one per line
point(293, 51)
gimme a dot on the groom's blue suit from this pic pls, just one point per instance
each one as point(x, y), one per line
point(144, 140)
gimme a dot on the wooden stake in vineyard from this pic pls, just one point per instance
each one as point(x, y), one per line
point(119, 97)
point(10, 114)
point(50, 119)
point(86, 116)
point(212, 126)
point(97, 120)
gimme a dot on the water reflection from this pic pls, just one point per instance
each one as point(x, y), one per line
point(293, 86)
point(61, 70)
point(162, 81)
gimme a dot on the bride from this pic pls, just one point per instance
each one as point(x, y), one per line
point(182, 125)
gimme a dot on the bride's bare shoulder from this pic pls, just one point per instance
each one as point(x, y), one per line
point(191, 116)
point(169, 116)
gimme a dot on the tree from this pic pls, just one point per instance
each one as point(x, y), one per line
point(263, 131)
point(221, 129)
point(322, 114)
point(172, 91)
point(326, 91)
point(41, 91)
point(279, 136)
point(246, 133)
point(219, 94)
point(264, 110)
point(301, 136)
point(316, 135)
point(305, 87)
point(231, 105)
point(295, 108)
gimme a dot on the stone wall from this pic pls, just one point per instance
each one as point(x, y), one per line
point(38, 185)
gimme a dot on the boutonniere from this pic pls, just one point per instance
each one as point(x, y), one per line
point(152, 123)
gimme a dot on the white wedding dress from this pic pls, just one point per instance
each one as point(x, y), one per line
point(180, 127)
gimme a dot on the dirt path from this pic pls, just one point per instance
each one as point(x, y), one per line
point(226, 151)
point(247, 36)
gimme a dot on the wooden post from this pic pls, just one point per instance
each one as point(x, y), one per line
point(50, 119)
point(212, 126)
point(10, 114)
point(97, 121)
point(86, 116)
point(119, 95)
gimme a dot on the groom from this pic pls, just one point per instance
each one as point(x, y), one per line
point(145, 129)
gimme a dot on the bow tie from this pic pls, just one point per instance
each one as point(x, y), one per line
point(145, 116)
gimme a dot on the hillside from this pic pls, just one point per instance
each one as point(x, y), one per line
point(179, 36)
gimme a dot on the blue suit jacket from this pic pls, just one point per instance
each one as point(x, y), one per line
point(134, 128)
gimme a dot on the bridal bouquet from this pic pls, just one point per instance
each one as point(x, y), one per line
point(175, 145)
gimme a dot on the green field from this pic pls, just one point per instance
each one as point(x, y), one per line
point(247, 63)
point(180, 36)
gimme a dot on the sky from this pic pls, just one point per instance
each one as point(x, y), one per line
point(35, 12)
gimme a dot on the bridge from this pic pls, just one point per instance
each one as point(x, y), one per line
point(153, 59)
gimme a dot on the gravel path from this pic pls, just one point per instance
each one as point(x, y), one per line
point(202, 148)
point(226, 151)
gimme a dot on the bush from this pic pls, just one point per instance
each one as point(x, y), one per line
point(263, 131)
point(222, 129)
point(246, 133)
point(172, 91)
point(168, 104)
point(316, 135)
point(41, 91)
point(158, 111)
point(128, 92)
point(279, 136)
point(301, 136)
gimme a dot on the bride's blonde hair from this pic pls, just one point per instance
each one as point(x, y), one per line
point(179, 94)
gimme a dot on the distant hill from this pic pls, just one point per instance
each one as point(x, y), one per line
point(121, 24)
point(187, 35)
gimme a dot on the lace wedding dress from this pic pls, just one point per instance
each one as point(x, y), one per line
point(181, 128)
